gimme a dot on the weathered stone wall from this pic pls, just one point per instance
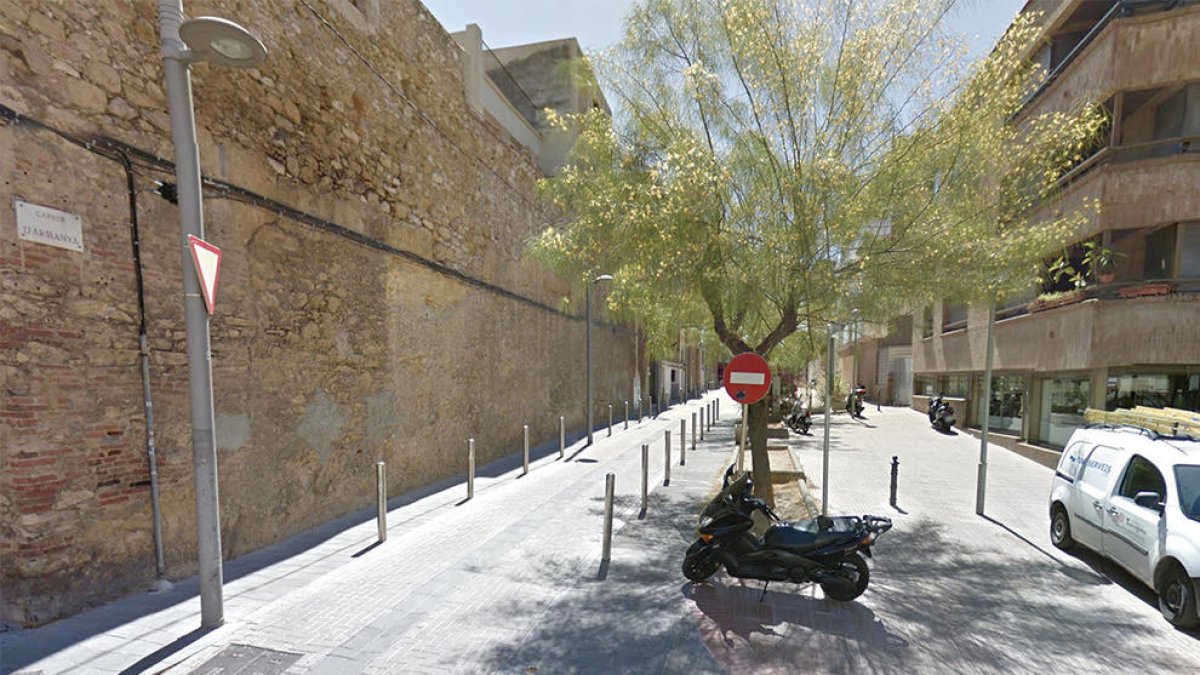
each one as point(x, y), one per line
point(329, 353)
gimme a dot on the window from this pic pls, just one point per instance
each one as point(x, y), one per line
point(954, 316)
point(1063, 403)
point(1007, 402)
point(1155, 390)
point(1168, 119)
point(1141, 476)
point(1187, 481)
point(1160, 254)
point(927, 322)
point(956, 385)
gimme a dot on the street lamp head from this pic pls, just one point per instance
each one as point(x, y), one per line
point(603, 277)
point(222, 42)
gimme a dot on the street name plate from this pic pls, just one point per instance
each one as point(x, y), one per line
point(48, 226)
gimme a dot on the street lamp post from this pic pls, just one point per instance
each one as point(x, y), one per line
point(225, 43)
point(591, 281)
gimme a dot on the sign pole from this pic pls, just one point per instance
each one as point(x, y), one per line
point(741, 458)
point(828, 420)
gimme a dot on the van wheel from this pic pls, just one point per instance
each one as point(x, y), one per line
point(1176, 599)
point(1060, 528)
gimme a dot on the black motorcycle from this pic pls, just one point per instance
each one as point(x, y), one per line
point(800, 420)
point(941, 414)
point(827, 551)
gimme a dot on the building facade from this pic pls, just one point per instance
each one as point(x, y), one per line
point(1131, 335)
point(376, 302)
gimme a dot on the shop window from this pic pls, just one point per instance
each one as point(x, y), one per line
point(923, 385)
point(1063, 403)
point(1154, 390)
point(957, 386)
point(1006, 404)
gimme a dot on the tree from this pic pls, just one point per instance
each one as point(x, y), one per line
point(778, 163)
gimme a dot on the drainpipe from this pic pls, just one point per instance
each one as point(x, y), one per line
point(147, 401)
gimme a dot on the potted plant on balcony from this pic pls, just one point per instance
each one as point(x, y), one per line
point(1098, 262)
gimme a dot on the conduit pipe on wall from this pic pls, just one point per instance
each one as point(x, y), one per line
point(147, 399)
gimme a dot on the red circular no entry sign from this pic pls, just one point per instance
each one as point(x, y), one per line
point(747, 378)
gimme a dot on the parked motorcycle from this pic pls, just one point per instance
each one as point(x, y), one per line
point(941, 414)
point(800, 419)
point(827, 551)
point(854, 401)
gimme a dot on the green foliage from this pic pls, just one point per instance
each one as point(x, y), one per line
point(782, 162)
point(1096, 258)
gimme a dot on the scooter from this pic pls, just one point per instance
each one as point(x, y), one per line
point(801, 418)
point(941, 415)
point(854, 402)
point(827, 551)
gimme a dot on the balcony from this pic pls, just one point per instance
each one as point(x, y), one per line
point(1138, 186)
point(1153, 48)
point(1103, 330)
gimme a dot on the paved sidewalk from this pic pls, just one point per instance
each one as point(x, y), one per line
point(509, 581)
point(950, 592)
point(512, 582)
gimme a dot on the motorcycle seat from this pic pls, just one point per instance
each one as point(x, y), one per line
point(808, 535)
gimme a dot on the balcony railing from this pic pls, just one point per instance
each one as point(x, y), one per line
point(1119, 9)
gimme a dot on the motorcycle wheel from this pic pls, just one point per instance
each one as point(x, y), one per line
point(698, 564)
point(852, 568)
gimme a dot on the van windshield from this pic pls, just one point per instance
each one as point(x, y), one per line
point(1187, 478)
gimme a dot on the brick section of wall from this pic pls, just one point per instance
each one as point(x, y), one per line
point(327, 354)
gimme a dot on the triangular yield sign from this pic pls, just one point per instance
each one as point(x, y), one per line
point(208, 268)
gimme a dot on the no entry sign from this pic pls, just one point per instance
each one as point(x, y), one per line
point(747, 378)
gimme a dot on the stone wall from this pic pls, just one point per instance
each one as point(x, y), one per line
point(420, 323)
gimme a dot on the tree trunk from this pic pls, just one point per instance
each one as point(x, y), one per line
point(758, 453)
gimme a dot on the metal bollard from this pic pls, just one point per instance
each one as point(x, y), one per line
point(667, 456)
point(381, 498)
point(610, 419)
point(645, 476)
point(626, 414)
point(702, 411)
point(609, 488)
point(693, 432)
point(683, 441)
point(895, 472)
point(470, 468)
point(718, 402)
point(562, 436)
point(525, 457)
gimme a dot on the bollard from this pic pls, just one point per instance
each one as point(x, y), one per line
point(610, 419)
point(693, 432)
point(609, 488)
point(525, 457)
point(702, 410)
point(683, 441)
point(895, 471)
point(381, 498)
point(562, 436)
point(667, 456)
point(645, 476)
point(470, 468)
point(626, 414)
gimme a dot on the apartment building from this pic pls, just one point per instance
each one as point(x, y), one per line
point(1131, 335)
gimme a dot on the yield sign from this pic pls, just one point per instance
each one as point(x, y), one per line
point(208, 268)
point(747, 378)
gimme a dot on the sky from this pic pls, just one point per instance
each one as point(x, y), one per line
point(598, 24)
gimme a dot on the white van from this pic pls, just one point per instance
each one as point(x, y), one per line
point(1134, 497)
